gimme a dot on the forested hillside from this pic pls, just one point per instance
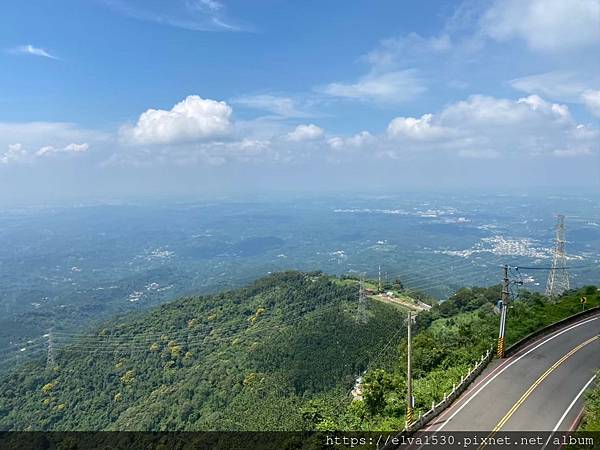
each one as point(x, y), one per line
point(257, 358)
point(280, 354)
point(449, 339)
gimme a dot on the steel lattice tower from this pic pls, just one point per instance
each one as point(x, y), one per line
point(558, 278)
point(50, 357)
point(361, 310)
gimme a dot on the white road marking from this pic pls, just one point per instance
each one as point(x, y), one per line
point(562, 418)
point(507, 366)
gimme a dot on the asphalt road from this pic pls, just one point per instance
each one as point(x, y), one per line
point(541, 388)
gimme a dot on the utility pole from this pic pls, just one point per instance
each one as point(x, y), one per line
point(379, 277)
point(504, 303)
point(409, 395)
point(558, 278)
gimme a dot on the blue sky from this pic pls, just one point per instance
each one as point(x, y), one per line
point(118, 97)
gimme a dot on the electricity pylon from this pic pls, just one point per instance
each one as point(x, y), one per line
point(558, 278)
point(361, 310)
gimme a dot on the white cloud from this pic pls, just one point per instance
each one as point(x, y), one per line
point(195, 15)
point(389, 87)
point(572, 152)
point(305, 133)
point(358, 140)
point(31, 50)
point(568, 86)
point(14, 153)
point(390, 52)
point(212, 5)
point(336, 142)
point(561, 85)
point(536, 103)
point(485, 110)
point(193, 119)
point(77, 148)
point(479, 127)
point(280, 105)
point(417, 129)
point(49, 138)
point(68, 149)
point(591, 99)
point(547, 25)
point(213, 153)
point(488, 127)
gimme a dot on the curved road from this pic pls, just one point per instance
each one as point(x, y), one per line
point(540, 388)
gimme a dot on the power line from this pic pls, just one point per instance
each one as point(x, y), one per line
point(85, 342)
point(552, 268)
point(558, 278)
point(95, 344)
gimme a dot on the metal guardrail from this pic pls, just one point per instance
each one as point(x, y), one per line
point(438, 408)
point(457, 389)
point(550, 328)
point(453, 394)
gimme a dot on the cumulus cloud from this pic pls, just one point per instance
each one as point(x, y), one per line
point(388, 87)
point(31, 50)
point(358, 140)
point(418, 129)
point(546, 25)
point(478, 127)
point(488, 127)
point(14, 153)
point(591, 99)
point(67, 149)
point(485, 110)
point(39, 140)
point(193, 119)
point(536, 103)
point(308, 132)
point(568, 86)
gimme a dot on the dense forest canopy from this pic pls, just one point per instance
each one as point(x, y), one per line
point(280, 354)
point(247, 359)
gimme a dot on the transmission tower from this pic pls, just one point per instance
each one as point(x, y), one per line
point(50, 357)
point(379, 279)
point(558, 278)
point(361, 310)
